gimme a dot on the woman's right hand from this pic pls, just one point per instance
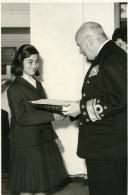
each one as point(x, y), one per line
point(58, 117)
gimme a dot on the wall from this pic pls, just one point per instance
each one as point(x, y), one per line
point(53, 32)
point(13, 15)
point(53, 28)
point(102, 13)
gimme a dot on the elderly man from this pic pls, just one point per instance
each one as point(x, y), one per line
point(102, 112)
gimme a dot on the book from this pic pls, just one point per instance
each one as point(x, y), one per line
point(52, 105)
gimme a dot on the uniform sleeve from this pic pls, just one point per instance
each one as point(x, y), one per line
point(111, 98)
point(22, 113)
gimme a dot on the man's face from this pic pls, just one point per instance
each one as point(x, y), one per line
point(84, 46)
point(121, 44)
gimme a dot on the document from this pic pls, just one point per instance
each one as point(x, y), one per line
point(53, 105)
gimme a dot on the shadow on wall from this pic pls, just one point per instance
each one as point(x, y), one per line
point(64, 124)
point(40, 77)
point(57, 125)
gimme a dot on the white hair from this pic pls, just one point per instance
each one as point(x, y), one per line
point(92, 28)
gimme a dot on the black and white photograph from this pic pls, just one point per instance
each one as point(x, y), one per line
point(64, 97)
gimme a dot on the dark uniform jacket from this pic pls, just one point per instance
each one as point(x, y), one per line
point(29, 126)
point(103, 119)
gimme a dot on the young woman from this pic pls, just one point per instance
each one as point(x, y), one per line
point(36, 165)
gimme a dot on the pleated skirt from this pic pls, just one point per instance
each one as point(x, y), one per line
point(36, 169)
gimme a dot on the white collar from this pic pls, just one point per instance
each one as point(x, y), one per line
point(30, 80)
point(26, 77)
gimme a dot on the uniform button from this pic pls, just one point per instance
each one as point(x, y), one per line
point(83, 106)
point(84, 94)
point(81, 123)
point(98, 101)
point(88, 82)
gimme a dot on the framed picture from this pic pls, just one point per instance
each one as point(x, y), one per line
point(7, 57)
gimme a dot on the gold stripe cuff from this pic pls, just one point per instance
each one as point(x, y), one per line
point(90, 110)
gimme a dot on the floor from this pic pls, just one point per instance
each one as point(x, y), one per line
point(75, 187)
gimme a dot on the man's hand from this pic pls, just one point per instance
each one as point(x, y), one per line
point(72, 110)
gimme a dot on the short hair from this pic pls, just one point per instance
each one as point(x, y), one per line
point(120, 33)
point(23, 52)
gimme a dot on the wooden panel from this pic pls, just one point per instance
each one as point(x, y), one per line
point(11, 30)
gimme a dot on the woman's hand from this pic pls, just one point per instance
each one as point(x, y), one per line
point(58, 117)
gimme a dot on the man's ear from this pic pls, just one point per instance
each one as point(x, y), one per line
point(89, 40)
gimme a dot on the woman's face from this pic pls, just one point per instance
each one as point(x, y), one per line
point(31, 64)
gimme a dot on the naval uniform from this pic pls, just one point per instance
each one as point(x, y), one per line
point(103, 122)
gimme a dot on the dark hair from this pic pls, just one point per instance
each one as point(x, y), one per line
point(120, 33)
point(23, 52)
